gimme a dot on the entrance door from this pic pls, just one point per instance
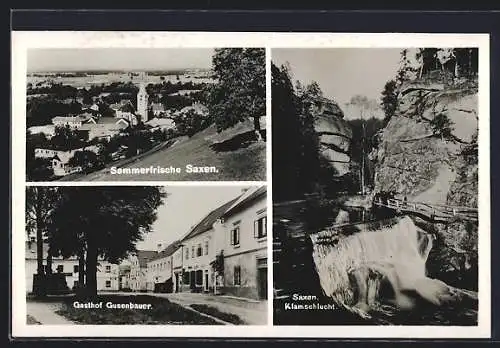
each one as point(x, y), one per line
point(262, 283)
point(206, 281)
point(192, 280)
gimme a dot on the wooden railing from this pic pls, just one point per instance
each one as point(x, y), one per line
point(432, 211)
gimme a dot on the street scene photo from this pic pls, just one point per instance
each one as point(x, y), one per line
point(130, 114)
point(124, 255)
point(375, 186)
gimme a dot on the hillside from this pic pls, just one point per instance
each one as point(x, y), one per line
point(233, 153)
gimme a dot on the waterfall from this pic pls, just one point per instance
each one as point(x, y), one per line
point(381, 270)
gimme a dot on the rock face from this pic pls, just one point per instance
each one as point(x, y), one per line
point(413, 160)
point(334, 133)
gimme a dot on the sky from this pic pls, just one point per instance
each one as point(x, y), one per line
point(72, 59)
point(184, 207)
point(342, 72)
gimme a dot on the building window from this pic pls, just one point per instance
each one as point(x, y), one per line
point(187, 253)
point(75, 269)
point(108, 269)
point(193, 252)
point(185, 277)
point(199, 251)
point(206, 247)
point(60, 268)
point(260, 228)
point(235, 236)
point(237, 275)
point(108, 283)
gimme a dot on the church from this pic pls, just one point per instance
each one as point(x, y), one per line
point(142, 98)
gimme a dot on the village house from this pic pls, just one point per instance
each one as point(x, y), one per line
point(48, 130)
point(237, 230)
point(105, 128)
point(161, 123)
point(61, 166)
point(71, 121)
point(157, 109)
point(123, 108)
point(138, 269)
point(197, 107)
point(60, 159)
point(107, 273)
point(45, 153)
point(185, 92)
point(160, 269)
point(199, 250)
point(242, 236)
point(124, 276)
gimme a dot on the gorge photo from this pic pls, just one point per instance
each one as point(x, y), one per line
point(375, 186)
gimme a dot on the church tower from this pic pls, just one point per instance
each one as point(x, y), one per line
point(142, 99)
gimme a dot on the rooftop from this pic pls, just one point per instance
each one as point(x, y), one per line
point(207, 222)
point(144, 256)
point(169, 250)
point(245, 199)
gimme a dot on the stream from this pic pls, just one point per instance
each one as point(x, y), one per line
point(372, 265)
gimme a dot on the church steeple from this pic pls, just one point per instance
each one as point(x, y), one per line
point(142, 98)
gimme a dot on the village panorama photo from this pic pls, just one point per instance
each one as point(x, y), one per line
point(151, 114)
point(135, 255)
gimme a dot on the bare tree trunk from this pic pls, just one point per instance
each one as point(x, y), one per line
point(39, 233)
point(91, 268)
point(49, 263)
point(81, 269)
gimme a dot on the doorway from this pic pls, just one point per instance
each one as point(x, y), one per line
point(262, 278)
point(206, 282)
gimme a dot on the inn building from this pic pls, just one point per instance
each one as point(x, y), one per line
point(235, 233)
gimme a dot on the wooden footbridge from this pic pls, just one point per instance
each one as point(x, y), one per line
point(431, 212)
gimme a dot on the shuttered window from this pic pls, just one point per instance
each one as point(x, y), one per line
point(260, 227)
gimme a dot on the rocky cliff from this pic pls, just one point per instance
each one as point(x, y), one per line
point(334, 133)
point(416, 159)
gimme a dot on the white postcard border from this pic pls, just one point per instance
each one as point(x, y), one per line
point(21, 41)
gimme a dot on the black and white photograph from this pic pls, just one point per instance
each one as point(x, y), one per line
point(151, 114)
point(375, 186)
point(146, 255)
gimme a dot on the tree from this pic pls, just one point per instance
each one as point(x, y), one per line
point(66, 138)
point(240, 91)
point(427, 58)
point(466, 60)
point(406, 71)
point(88, 160)
point(40, 205)
point(441, 126)
point(295, 141)
point(191, 122)
point(39, 169)
point(103, 222)
point(389, 101)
